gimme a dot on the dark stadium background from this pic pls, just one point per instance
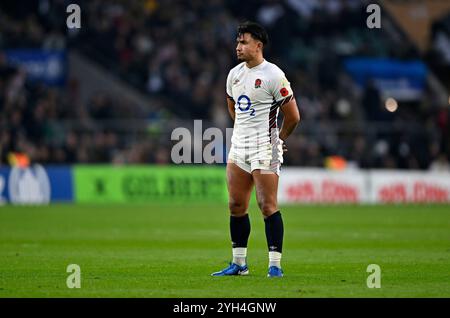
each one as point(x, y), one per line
point(175, 56)
point(86, 117)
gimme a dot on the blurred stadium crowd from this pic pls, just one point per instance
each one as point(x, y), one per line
point(179, 53)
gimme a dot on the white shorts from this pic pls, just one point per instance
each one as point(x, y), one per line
point(267, 158)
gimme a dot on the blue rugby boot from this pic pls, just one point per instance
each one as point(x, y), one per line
point(233, 269)
point(275, 272)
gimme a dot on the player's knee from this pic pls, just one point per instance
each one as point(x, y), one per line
point(237, 208)
point(267, 207)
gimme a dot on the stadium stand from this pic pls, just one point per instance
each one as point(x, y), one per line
point(178, 53)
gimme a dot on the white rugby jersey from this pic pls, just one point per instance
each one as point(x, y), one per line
point(258, 92)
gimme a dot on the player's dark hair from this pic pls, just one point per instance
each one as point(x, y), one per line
point(256, 31)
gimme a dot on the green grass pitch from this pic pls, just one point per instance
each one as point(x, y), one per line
point(170, 251)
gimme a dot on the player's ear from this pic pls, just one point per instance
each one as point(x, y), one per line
point(260, 45)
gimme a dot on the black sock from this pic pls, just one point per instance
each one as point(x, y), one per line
point(274, 232)
point(240, 230)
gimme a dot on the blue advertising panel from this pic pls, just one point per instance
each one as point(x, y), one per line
point(36, 185)
point(49, 67)
point(403, 80)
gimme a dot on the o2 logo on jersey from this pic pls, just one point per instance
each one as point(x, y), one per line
point(244, 99)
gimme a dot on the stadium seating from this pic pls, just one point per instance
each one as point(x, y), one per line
point(179, 52)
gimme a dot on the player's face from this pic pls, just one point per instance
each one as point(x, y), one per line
point(247, 47)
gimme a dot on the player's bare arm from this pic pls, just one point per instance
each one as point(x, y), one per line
point(230, 103)
point(291, 118)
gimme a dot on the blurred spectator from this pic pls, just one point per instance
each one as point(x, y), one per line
point(440, 164)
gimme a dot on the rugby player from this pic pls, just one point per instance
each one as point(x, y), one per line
point(256, 91)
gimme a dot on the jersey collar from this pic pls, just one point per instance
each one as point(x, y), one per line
point(257, 67)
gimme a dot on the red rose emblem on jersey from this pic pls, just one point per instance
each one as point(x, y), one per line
point(257, 83)
point(284, 92)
